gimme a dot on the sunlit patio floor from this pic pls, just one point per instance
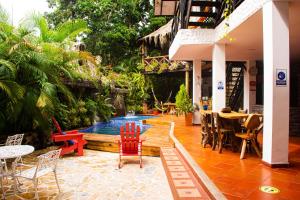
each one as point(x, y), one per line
point(241, 179)
point(96, 176)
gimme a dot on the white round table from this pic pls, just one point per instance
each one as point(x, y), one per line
point(15, 151)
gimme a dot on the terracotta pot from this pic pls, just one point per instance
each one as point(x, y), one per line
point(155, 112)
point(188, 119)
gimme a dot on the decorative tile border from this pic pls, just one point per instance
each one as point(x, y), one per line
point(182, 181)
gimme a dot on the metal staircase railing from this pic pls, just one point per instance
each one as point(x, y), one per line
point(234, 84)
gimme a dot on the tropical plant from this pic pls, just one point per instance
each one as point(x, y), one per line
point(183, 101)
point(31, 72)
point(115, 26)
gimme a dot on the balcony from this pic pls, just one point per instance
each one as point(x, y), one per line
point(193, 14)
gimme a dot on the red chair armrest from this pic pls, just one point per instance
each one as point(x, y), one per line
point(59, 138)
point(72, 132)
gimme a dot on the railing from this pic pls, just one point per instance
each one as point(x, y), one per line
point(211, 14)
point(160, 64)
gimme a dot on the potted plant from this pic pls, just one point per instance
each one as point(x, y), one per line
point(184, 105)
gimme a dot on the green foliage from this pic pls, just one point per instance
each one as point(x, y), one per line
point(84, 112)
point(115, 26)
point(135, 108)
point(136, 85)
point(183, 101)
point(31, 71)
point(163, 67)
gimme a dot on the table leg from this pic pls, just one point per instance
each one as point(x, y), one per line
point(243, 149)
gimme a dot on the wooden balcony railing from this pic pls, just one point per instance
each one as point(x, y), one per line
point(201, 13)
point(160, 64)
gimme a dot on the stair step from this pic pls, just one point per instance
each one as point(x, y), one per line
point(206, 3)
point(203, 14)
point(202, 24)
point(183, 183)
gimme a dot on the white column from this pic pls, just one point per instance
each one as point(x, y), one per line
point(219, 77)
point(196, 88)
point(276, 98)
point(250, 90)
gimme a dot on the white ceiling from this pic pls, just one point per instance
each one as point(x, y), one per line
point(247, 41)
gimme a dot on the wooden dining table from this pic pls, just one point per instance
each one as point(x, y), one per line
point(233, 115)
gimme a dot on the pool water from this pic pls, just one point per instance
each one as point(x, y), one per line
point(112, 127)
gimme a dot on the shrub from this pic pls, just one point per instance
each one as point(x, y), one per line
point(183, 101)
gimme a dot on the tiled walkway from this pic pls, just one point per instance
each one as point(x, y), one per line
point(182, 181)
point(241, 179)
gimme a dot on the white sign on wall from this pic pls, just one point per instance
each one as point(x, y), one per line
point(281, 77)
point(220, 85)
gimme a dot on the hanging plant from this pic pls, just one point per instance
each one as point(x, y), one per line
point(152, 66)
point(227, 11)
point(163, 67)
point(174, 65)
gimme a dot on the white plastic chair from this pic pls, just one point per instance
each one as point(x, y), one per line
point(46, 163)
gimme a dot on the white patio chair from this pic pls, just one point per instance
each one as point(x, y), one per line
point(2, 176)
point(10, 141)
point(46, 163)
point(14, 140)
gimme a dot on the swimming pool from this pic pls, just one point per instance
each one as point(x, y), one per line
point(112, 127)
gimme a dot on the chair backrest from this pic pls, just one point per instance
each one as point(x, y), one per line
point(261, 126)
point(213, 122)
point(47, 161)
point(217, 120)
point(14, 140)
point(130, 138)
point(252, 123)
point(204, 122)
point(57, 126)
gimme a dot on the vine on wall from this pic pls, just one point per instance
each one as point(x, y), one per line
point(227, 11)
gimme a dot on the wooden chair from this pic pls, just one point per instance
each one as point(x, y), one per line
point(253, 126)
point(130, 143)
point(205, 130)
point(223, 132)
point(46, 163)
point(214, 132)
point(72, 140)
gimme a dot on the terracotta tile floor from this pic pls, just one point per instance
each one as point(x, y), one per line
point(241, 179)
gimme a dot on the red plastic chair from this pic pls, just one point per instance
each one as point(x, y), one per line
point(130, 143)
point(72, 140)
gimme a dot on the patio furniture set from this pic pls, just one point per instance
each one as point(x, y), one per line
point(130, 144)
point(227, 128)
point(14, 150)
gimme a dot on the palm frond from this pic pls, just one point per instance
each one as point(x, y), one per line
point(8, 65)
point(69, 30)
point(12, 89)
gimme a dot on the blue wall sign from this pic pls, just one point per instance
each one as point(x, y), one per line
point(281, 77)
